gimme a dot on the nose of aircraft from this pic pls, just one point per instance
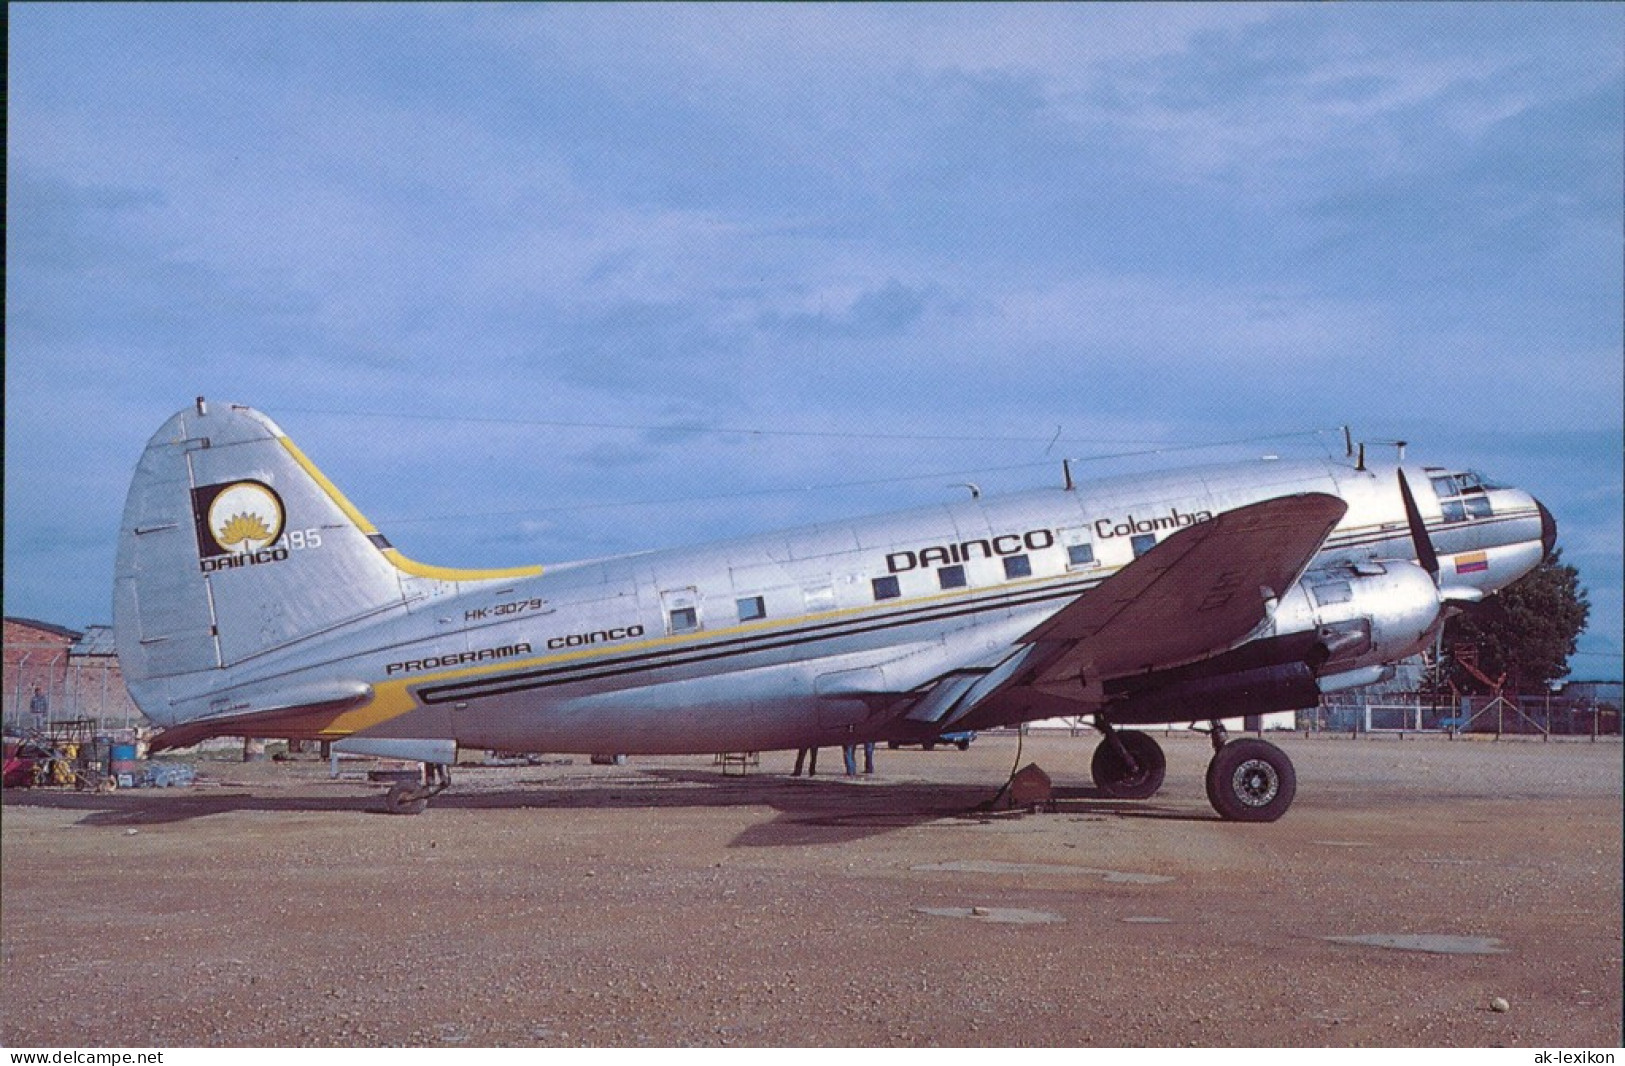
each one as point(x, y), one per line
point(1548, 531)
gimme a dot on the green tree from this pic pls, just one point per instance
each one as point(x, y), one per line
point(1527, 631)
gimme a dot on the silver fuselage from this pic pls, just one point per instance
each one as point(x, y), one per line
point(759, 642)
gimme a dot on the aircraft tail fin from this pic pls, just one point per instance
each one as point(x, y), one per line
point(234, 546)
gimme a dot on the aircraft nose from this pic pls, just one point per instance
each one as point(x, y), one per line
point(1548, 531)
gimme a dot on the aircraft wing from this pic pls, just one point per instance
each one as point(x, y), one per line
point(1198, 593)
point(1202, 591)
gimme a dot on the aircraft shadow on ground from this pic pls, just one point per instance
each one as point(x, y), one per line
point(808, 811)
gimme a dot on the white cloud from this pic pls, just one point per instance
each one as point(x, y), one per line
point(1136, 222)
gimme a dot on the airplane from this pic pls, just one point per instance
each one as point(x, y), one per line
point(251, 598)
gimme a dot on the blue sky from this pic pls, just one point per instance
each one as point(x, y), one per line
point(511, 274)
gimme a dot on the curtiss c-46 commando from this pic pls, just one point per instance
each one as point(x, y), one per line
point(251, 598)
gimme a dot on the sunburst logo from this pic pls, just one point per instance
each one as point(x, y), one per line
point(238, 517)
point(243, 531)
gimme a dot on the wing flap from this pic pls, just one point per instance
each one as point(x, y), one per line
point(956, 694)
point(941, 698)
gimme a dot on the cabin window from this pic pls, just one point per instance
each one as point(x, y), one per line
point(951, 577)
point(751, 608)
point(1017, 566)
point(887, 588)
point(1144, 543)
point(1080, 555)
point(682, 609)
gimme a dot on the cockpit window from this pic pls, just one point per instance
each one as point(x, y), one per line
point(1463, 496)
point(1449, 485)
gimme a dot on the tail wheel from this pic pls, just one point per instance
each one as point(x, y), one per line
point(1113, 774)
point(1250, 780)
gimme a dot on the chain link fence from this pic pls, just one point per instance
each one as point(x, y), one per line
point(1546, 714)
point(45, 684)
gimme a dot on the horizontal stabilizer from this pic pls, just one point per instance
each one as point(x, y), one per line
point(306, 714)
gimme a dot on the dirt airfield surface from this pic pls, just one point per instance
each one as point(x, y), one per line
point(662, 903)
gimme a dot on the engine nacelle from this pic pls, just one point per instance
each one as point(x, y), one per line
point(1364, 614)
point(1339, 627)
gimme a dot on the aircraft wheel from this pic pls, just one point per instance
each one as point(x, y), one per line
point(1250, 780)
point(405, 799)
point(1112, 775)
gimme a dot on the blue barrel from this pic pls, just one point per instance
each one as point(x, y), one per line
point(123, 761)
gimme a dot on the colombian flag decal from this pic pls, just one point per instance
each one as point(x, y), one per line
point(1472, 563)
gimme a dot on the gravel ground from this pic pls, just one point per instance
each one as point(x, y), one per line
point(662, 903)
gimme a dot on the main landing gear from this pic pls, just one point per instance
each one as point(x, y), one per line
point(1128, 764)
point(1248, 780)
point(406, 797)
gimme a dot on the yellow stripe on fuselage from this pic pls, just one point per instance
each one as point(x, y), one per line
point(390, 700)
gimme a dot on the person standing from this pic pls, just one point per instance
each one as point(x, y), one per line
point(849, 753)
point(809, 756)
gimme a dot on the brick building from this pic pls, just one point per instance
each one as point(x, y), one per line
point(77, 673)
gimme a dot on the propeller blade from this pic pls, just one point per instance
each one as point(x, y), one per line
point(1419, 530)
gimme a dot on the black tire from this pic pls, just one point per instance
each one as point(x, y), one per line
point(405, 799)
point(1251, 780)
point(1112, 775)
point(893, 745)
point(929, 745)
point(962, 745)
